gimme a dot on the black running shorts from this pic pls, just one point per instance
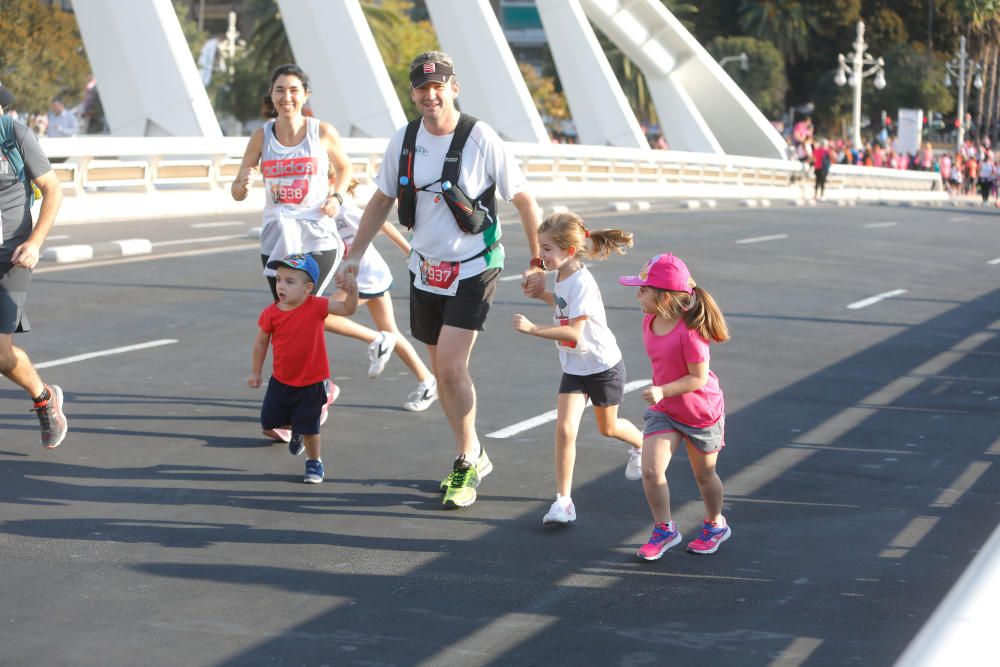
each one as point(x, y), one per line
point(467, 309)
point(604, 389)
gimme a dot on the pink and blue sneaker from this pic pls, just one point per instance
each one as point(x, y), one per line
point(712, 535)
point(664, 536)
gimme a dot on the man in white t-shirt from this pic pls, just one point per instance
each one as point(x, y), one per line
point(453, 274)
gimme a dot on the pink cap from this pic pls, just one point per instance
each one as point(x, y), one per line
point(663, 271)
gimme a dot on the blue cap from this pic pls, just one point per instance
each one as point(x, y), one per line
point(298, 261)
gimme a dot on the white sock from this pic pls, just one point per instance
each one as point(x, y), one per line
point(564, 501)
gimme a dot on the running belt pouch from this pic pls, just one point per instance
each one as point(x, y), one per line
point(472, 216)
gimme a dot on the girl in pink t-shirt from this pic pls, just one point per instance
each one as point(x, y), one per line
point(686, 403)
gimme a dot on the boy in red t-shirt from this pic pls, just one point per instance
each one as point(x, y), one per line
point(293, 326)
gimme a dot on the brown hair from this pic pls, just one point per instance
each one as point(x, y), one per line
point(698, 310)
point(567, 231)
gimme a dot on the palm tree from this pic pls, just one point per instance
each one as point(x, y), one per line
point(785, 23)
point(269, 42)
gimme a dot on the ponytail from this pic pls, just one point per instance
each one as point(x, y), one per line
point(697, 310)
point(703, 315)
point(604, 241)
point(568, 231)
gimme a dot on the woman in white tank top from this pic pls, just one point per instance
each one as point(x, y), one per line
point(305, 169)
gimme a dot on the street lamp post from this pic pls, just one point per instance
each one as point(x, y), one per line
point(859, 60)
point(957, 68)
point(231, 44)
point(742, 59)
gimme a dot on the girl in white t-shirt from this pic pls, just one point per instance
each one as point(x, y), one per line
point(374, 279)
point(591, 361)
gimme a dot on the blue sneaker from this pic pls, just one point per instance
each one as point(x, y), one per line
point(296, 446)
point(314, 472)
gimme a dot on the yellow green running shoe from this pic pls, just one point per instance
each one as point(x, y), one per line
point(483, 466)
point(462, 483)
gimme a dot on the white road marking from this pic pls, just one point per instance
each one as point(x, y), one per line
point(506, 279)
point(147, 258)
point(199, 239)
point(227, 223)
point(864, 303)
point(994, 261)
point(876, 225)
point(57, 237)
point(761, 239)
point(106, 353)
point(549, 416)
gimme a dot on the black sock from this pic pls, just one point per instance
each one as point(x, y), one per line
point(42, 397)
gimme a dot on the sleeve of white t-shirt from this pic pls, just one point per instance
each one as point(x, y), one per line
point(502, 166)
point(583, 298)
point(387, 179)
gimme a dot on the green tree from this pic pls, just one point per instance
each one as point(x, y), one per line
point(914, 81)
point(785, 23)
point(398, 39)
point(550, 102)
point(764, 80)
point(42, 55)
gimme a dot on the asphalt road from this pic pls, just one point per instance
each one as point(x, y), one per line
point(863, 394)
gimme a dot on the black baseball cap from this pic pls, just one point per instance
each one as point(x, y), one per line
point(431, 70)
point(6, 97)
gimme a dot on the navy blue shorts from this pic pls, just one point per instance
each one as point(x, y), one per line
point(298, 407)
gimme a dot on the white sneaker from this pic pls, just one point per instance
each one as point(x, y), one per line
point(379, 352)
point(421, 398)
point(633, 469)
point(559, 513)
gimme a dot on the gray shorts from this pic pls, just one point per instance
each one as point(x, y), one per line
point(14, 281)
point(709, 440)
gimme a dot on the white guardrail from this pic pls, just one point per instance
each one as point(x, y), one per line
point(92, 163)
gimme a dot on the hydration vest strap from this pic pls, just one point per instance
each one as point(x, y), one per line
point(406, 197)
point(453, 159)
point(8, 144)
point(479, 254)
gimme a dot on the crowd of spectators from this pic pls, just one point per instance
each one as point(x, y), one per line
point(60, 120)
point(971, 170)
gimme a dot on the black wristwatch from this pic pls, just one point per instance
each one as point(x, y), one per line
point(339, 197)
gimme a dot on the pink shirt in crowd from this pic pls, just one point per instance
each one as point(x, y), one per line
point(670, 354)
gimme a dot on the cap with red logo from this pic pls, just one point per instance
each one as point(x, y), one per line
point(432, 70)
